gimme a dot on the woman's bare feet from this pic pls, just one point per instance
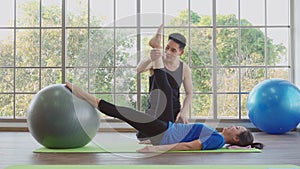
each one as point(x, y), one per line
point(83, 95)
point(155, 42)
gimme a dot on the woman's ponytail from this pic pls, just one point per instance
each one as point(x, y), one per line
point(257, 145)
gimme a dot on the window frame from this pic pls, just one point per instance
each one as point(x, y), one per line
point(64, 28)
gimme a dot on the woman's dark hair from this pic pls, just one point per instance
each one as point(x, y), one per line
point(179, 39)
point(246, 138)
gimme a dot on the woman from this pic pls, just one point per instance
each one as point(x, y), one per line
point(165, 135)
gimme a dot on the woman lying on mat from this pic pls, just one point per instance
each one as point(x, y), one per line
point(165, 135)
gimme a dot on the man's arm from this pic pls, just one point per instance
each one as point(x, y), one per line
point(188, 87)
point(193, 145)
point(144, 65)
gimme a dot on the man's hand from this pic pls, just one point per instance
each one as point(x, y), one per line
point(183, 117)
point(156, 57)
point(145, 142)
point(155, 54)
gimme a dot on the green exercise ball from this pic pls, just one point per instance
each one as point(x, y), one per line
point(58, 119)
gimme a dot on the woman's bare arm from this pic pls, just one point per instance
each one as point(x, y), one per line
point(193, 145)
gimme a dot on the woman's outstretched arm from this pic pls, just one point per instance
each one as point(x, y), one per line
point(193, 145)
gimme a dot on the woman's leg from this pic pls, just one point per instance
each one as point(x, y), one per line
point(146, 124)
point(155, 42)
point(160, 94)
point(142, 122)
point(164, 107)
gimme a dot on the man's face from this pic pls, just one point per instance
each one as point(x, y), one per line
point(172, 51)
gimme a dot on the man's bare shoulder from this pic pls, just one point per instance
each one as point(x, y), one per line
point(186, 68)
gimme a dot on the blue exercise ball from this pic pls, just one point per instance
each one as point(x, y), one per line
point(274, 106)
point(58, 119)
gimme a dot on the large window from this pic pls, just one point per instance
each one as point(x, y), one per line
point(96, 44)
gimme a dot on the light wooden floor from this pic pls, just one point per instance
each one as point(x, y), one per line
point(17, 147)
